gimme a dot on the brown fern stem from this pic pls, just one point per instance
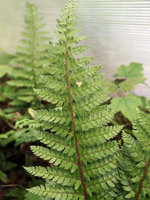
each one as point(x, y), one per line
point(72, 116)
point(141, 182)
point(11, 125)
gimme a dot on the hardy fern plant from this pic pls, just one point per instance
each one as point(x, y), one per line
point(83, 160)
point(28, 60)
point(25, 71)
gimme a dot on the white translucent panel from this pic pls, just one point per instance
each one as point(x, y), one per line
point(119, 31)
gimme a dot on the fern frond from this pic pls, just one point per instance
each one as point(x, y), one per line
point(54, 116)
point(50, 96)
point(27, 122)
point(56, 142)
point(87, 89)
point(135, 166)
point(98, 136)
point(57, 192)
point(79, 49)
point(59, 130)
point(98, 152)
point(96, 119)
point(31, 53)
point(76, 133)
point(56, 158)
point(84, 73)
point(25, 135)
point(21, 83)
point(82, 61)
point(54, 84)
point(56, 175)
point(92, 102)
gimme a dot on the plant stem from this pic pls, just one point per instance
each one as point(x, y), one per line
point(11, 125)
point(72, 114)
point(141, 183)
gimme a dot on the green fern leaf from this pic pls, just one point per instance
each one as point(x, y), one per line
point(82, 157)
point(57, 192)
point(136, 162)
point(29, 57)
point(127, 105)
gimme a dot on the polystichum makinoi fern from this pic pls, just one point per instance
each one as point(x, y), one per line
point(83, 160)
point(28, 61)
point(25, 70)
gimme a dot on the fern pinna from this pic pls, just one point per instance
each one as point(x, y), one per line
point(135, 166)
point(83, 160)
point(28, 60)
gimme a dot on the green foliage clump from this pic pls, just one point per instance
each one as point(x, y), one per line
point(126, 79)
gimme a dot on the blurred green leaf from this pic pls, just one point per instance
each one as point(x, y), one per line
point(17, 193)
point(3, 70)
point(143, 99)
point(30, 196)
point(3, 177)
point(126, 105)
point(3, 136)
point(10, 165)
point(6, 92)
point(129, 131)
point(127, 85)
point(112, 86)
point(115, 75)
point(133, 71)
point(2, 98)
point(4, 116)
point(4, 166)
point(5, 58)
point(138, 80)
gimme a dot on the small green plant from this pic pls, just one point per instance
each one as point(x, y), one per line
point(126, 79)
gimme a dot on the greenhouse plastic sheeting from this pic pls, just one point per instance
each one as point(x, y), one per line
point(119, 31)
